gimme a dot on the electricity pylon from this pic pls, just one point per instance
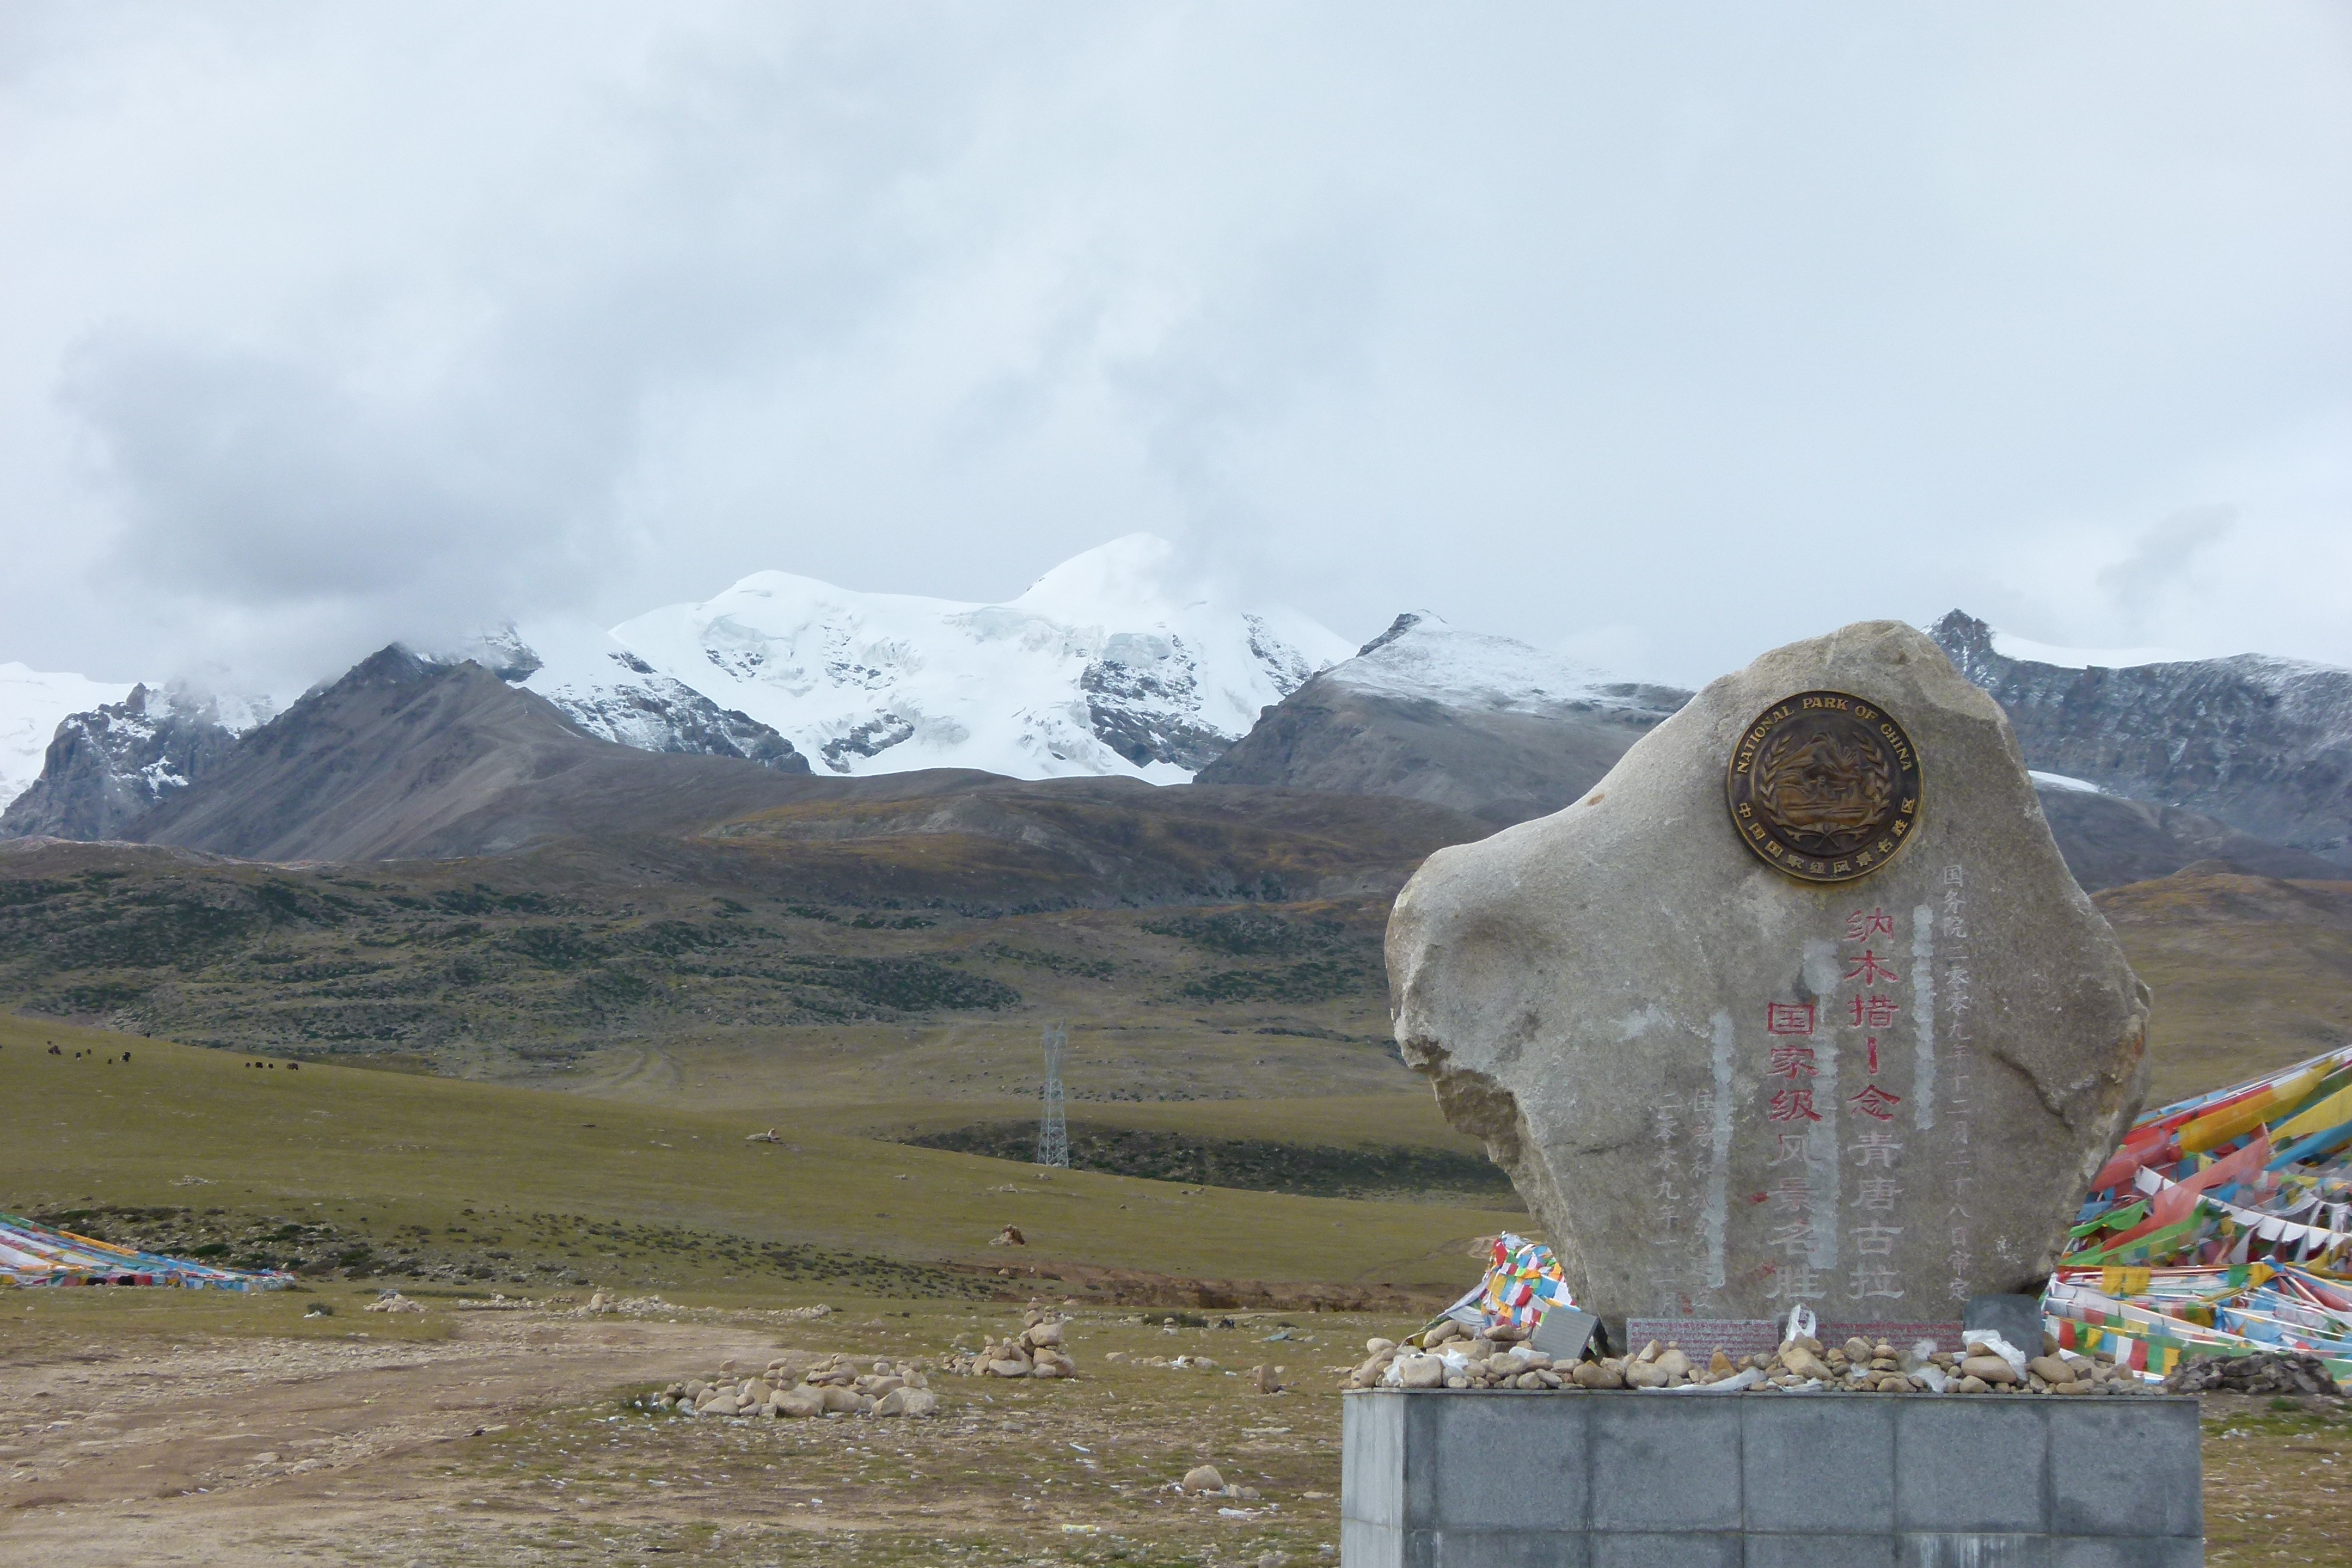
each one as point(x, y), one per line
point(1052, 1133)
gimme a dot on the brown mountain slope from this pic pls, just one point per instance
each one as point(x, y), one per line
point(403, 757)
point(2250, 973)
point(1006, 843)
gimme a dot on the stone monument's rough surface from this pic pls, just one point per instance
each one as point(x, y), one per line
point(1725, 1085)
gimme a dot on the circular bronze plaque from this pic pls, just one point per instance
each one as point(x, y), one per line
point(1825, 787)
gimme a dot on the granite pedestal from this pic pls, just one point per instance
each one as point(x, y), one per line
point(1493, 1478)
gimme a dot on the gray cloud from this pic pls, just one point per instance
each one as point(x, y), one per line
point(1666, 334)
point(2164, 557)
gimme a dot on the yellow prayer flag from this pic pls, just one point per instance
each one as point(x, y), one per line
point(2211, 1132)
point(2333, 1111)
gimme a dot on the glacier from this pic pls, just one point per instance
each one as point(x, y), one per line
point(1105, 665)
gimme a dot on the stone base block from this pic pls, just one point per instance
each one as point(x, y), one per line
point(1487, 1478)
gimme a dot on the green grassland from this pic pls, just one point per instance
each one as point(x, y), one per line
point(1199, 1037)
point(544, 1184)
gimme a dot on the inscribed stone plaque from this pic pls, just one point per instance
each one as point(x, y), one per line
point(1725, 1087)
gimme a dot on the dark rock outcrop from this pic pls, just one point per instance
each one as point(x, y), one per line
point(2264, 1372)
point(109, 767)
point(2262, 744)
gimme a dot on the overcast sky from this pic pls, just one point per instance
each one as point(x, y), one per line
point(1660, 333)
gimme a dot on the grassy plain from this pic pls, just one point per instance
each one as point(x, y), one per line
point(415, 1164)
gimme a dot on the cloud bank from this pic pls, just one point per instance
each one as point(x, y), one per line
point(1663, 335)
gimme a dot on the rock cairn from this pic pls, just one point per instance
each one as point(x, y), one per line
point(834, 1386)
point(1452, 1356)
point(1036, 1352)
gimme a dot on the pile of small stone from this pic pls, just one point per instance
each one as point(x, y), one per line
point(1036, 1352)
point(393, 1301)
point(2264, 1372)
point(833, 1386)
point(1451, 1356)
point(1175, 1364)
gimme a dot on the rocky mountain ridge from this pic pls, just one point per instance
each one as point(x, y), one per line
point(2262, 744)
point(1507, 732)
point(109, 767)
point(2246, 761)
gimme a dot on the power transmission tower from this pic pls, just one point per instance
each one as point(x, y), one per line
point(1053, 1134)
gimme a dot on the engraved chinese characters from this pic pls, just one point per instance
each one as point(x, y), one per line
point(1848, 1107)
point(1723, 1089)
point(1825, 785)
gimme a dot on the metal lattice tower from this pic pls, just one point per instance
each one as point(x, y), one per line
point(1053, 1134)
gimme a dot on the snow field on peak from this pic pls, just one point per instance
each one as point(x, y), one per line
point(2026, 650)
point(1425, 658)
point(1103, 667)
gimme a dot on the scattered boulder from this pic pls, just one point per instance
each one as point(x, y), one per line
point(393, 1301)
point(1203, 1479)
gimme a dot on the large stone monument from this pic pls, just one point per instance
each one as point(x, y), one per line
point(1798, 1006)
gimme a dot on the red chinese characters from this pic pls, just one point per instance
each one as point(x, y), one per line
point(1871, 969)
point(1875, 1102)
point(1788, 1018)
point(1792, 1104)
point(1874, 1013)
point(1861, 927)
point(1791, 1061)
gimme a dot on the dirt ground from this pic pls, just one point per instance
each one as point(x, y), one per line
point(139, 1428)
point(511, 1441)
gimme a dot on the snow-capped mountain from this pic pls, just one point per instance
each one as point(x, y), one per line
point(1104, 666)
point(106, 767)
point(2263, 745)
point(33, 703)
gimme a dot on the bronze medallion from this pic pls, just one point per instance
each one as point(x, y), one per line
point(1825, 787)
